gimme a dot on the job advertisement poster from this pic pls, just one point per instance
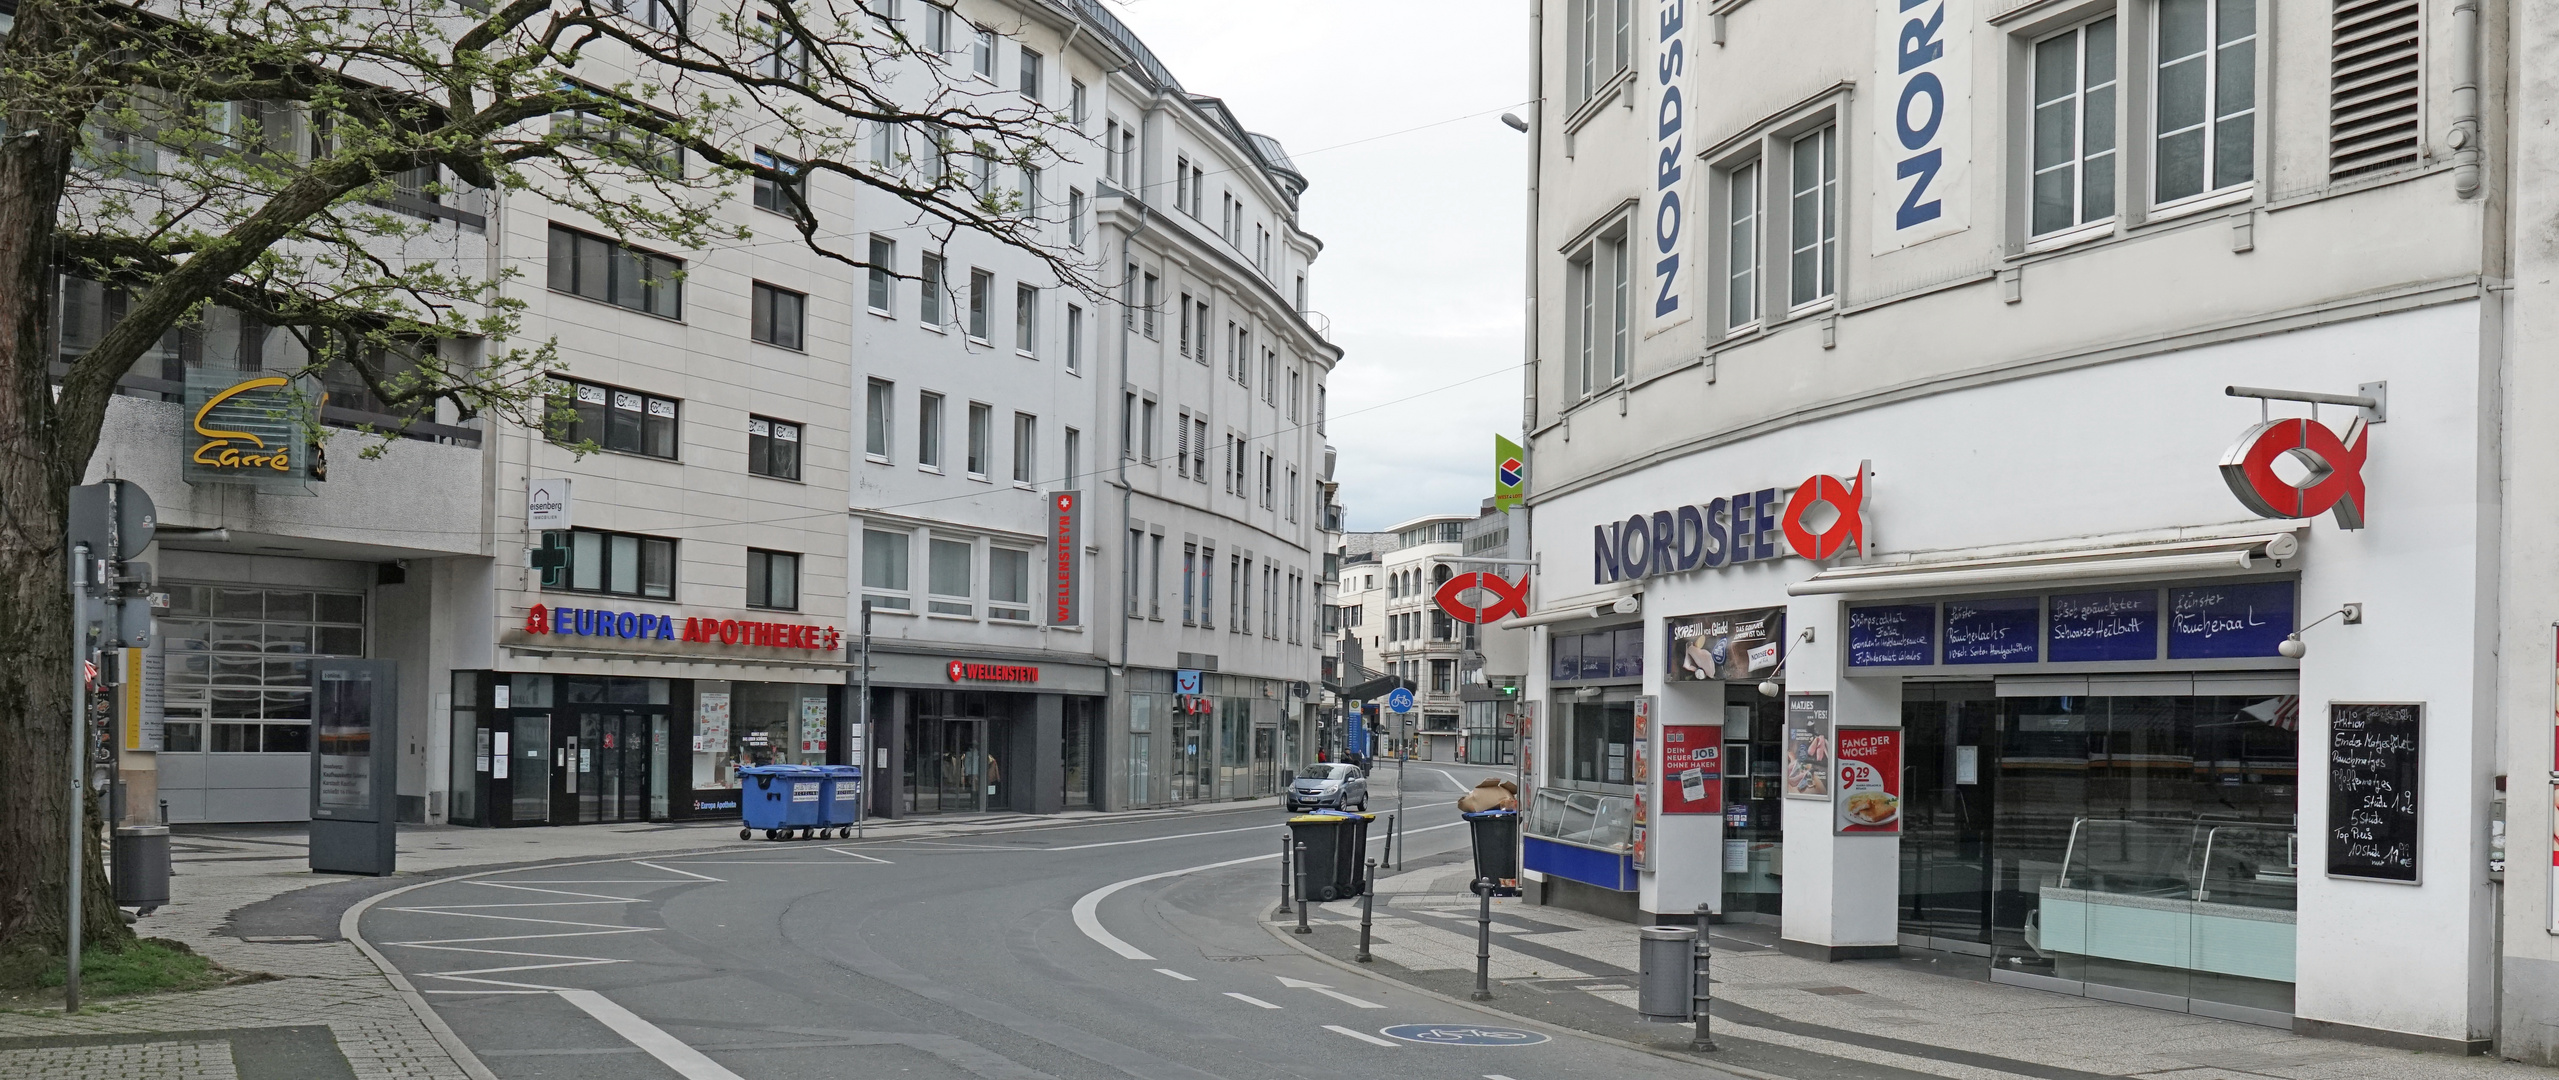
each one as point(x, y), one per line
point(1692, 769)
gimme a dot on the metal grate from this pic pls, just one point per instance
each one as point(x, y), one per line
point(2373, 87)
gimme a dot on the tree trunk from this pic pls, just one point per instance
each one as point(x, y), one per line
point(37, 470)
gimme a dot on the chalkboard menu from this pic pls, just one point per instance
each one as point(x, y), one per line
point(1899, 635)
point(2372, 791)
point(1993, 631)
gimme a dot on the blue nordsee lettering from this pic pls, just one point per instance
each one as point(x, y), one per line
point(1670, 130)
point(1913, 211)
point(1922, 71)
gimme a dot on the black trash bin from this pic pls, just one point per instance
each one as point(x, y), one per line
point(1336, 845)
point(141, 856)
point(1496, 837)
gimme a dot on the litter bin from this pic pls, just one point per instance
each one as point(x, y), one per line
point(1496, 837)
point(1336, 844)
point(142, 866)
point(1666, 974)
point(840, 793)
point(780, 800)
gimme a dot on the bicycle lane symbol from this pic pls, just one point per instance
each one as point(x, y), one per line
point(1463, 1035)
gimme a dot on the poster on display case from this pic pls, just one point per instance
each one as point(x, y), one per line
point(1807, 746)
point(1692, 769)
point(711, 724)
point(1731, 646)
point(1868, 795)
point(813, 725)
point(1643, 776)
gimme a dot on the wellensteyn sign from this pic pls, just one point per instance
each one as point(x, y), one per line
point(1065, 543)
point(1753, 526)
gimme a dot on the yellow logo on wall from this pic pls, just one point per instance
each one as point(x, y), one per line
point(222, 448)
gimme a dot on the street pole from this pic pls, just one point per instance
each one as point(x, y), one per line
point(1286, 868)
point(79, 763)
point(1484, 939)
point(861, 814)
point(1301, 891)
point(1704, 992)
point(1367, 908)
point(1400, 761)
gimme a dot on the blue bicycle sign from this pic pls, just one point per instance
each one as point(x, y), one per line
point(1399, 700)
point(1463, 1035)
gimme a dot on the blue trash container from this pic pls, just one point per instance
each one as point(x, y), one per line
point(780, 800)
point(841, 796)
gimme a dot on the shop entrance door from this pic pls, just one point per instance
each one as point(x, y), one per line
point(1947, 773)
point(609, 778)
point(1190, 769)
point(529, 770)
point(948, 766)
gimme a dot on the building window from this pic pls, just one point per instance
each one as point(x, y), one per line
point(2205, 97)
point(1292, 493)
point(1182, 341)
point(1146, 431)
point(1182, 444)
point(1031, 192)
point(875, 427)
point(616, 141)
point(1199, 349)
point(780, 316)
point(1008, 584)
point(788, 59)
point(1741, 245)
point(1128, 425)
point(884, 581)
point(1199, 448)
point(883, 274)
point(1296, 388)
point(981, 300)
point(1601, 37)
point(982, 54)
point(928, 430)
point(1128, 569)
point(1812, 217)
point(654, 14)
point(611, 563)
point(1026, 448)
point(981, 438)
point(1026, 320)
point(1443, 676)
point(625, 421)
point(227, 674)
point(1075, 218)
point(1190, 583)
point(1319, 408)
point(1155, 577)
point(772, 580)
point(1597, 299)
point(772, 448)
point(599, 269)
point(1074, 338)
point(1074, 456)
point(2074, 140)
point(1267, 485)
point(1208, 586)
point(1030, 84)
point(928, 292)
point(947, 578)
point(937, 29)
point(1076, 109)
point(769, 193)
point(1154, 302)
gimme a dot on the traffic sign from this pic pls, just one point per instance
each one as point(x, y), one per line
point(1399, 700)
point(1464, 1035)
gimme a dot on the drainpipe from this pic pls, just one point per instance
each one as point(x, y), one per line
point(1536, 143)
point(2464, 137)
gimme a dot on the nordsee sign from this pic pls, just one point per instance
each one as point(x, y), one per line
point(1819, 519)
point(1923, 139)
point(1668, 217)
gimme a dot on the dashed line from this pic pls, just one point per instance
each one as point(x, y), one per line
point(1250, 1000)
point(1360, 1035)
point(1495, 1076)
point(1175, 974)
point(858, 855)
point(687, 1062)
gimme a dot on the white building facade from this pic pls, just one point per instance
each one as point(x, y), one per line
point(1939, 597)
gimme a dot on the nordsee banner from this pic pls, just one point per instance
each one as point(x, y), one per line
point(1923, 142)
point(1659, 238)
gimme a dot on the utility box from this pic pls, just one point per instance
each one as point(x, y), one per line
point(142, 866)
point(355, 767)
point(1666, 975)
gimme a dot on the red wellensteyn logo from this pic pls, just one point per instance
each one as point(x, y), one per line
point(963, 671)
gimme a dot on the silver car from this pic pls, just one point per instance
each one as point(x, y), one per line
point(1333, 784)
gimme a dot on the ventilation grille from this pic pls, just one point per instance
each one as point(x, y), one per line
point(2372, 90)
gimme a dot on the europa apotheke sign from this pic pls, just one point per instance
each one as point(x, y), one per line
point(599, 622)
point(1753, 526)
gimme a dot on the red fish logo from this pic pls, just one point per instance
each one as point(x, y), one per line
point(1508, 599)
point(1847, 530)
point(2336, 470)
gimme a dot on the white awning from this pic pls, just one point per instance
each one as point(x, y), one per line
point(2176, 558)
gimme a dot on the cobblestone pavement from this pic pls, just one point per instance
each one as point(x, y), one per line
point(1575, 969)
point(381, 1032)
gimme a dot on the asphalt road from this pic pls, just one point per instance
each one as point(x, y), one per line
point(1105, 950)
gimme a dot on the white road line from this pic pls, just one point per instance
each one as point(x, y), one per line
point(553, 892)
point(1091, 924)
point(1360, 1035)
point(1250, 1000)
point(685, 1060)
point(490, 991)
point(1175, 974)
point(1320, 988)
point(857, 855)
point(672, 870)
point(1495, 1076)
point(1452, 778)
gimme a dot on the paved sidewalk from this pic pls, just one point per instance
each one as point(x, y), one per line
point(245, 897)
point(1790, 1016)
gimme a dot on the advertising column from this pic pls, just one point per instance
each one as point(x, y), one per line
point(1843, 877)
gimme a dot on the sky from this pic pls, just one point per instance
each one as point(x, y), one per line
point(1422, 229)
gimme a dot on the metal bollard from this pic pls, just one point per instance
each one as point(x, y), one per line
point(1301, 891)
point(1367, 908)
point(1286, 868)
point(1484, 938)
point(1705, 990)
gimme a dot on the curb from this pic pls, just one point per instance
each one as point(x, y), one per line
point(1290, 940)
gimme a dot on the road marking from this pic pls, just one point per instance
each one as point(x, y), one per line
point(859, 855)
point(1084, 847)
point(1360, 1035)
point(552, 892)
point(1495, 1076)
point(1089, 903)
point(1175, 974)
point(490, 991)
point(1452, 778)
point(1250, 1000)
point(685, 1060)
point(672, 870)
point(1320, 988)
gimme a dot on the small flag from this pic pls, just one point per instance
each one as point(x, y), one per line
point(89, 673)
point(1510, 474)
